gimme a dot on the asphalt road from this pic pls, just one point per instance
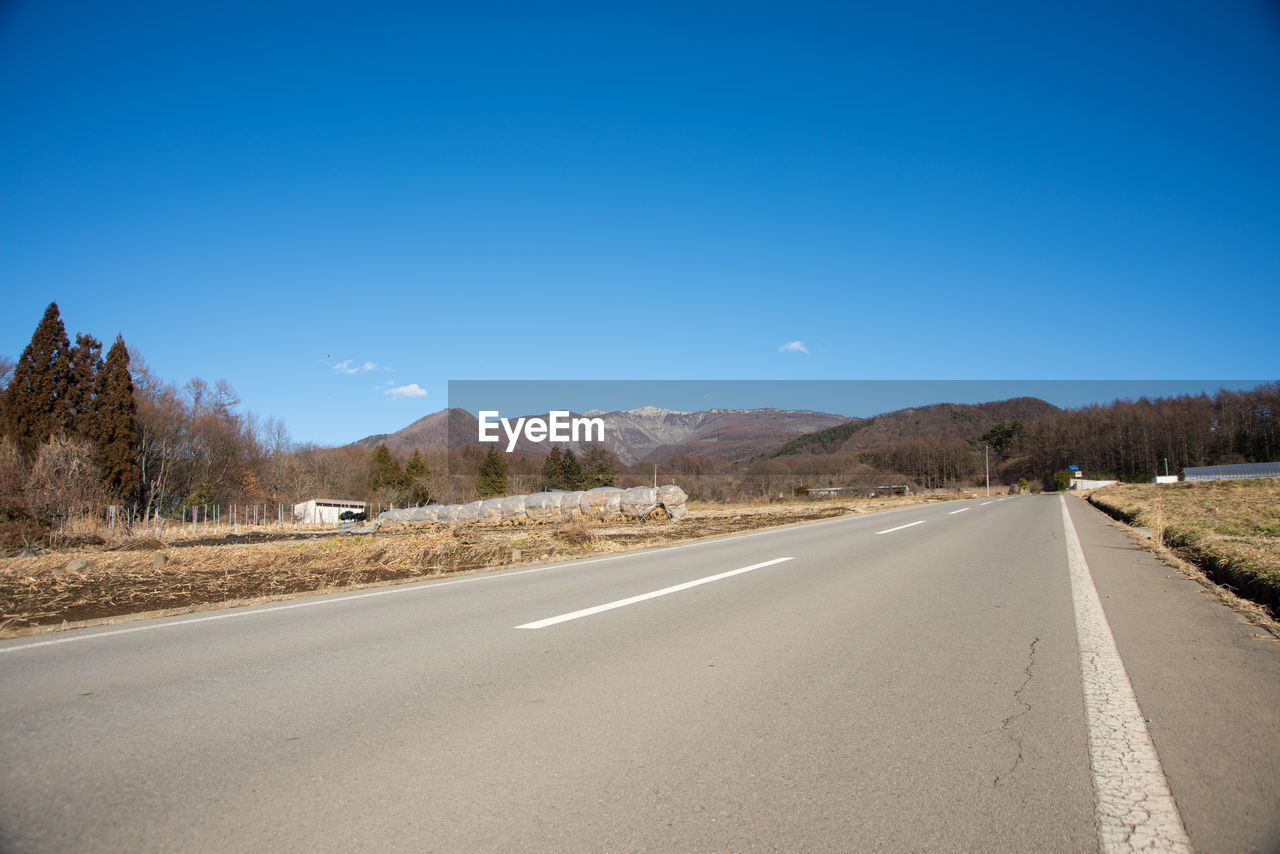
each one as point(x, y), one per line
point(926, 679)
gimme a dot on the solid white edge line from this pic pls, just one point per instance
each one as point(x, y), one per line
point(900, 527)
point(961, 510)
point(622, 603)
point(1134, 808)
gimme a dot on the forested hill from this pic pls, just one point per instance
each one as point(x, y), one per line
point(439, 430)
point(937, 421)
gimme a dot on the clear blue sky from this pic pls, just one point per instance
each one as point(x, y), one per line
point(326, 203)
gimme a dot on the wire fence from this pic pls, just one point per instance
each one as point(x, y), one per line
point(206, 520)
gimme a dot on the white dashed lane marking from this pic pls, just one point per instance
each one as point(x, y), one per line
point(900, 527)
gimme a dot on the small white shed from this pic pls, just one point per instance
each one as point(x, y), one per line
point(324, 511)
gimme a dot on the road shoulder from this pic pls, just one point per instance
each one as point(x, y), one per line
point(1207, 681)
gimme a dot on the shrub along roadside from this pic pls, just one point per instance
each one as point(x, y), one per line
point(1230, 529)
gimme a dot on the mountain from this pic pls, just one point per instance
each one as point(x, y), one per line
point(938, 421)
point(653, 435)
point(646, 434)
point(431, 431)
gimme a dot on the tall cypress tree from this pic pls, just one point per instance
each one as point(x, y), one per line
point(83, 369)
point(115, 424)
point(35, 403)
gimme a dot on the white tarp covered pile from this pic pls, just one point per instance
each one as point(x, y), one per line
point(601, 503)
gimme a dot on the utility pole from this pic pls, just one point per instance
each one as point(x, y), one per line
point(655, 475)
point(986, 458)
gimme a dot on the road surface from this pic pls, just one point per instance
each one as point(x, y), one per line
point(933, 678)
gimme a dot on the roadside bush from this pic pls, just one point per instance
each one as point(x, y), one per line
point(62, 481)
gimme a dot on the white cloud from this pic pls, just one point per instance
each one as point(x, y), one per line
point(410, 390)
point(346, 367)
point(794, 347)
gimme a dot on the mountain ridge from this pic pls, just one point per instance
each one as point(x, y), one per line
point(651, 434)
point(644, 434)
point(937, 421)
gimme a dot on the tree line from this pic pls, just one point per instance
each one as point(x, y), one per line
point(1132, 440)
point(80, 430)
point(1127, 440)
point(68, 422)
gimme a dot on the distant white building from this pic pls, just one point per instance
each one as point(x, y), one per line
point(324, 511)
point(832, 491)
point(1243, 471)
point(1081, 483)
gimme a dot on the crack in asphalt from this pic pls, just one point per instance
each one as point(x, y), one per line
point(1026, 707)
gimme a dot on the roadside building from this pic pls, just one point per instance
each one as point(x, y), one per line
point(1242, 471)
point(324, 511)
point(1081, 483)
point(833, 491)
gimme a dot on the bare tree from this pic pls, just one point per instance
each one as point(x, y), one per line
point(6, 377)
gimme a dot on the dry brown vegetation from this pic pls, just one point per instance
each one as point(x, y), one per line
point(1230, 529)
point(142, 574)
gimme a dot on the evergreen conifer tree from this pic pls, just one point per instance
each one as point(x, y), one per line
point(384, 473)
point(491, 477)
point(202, 496)
point(417, 490)
point(84, 372)
point(599, 470)
point(553, 470)
point(36, 399)
point(573, 474)
point(115, 424)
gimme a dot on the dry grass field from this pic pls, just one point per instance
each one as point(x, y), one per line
point(143, 574)
point(1230, 528)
